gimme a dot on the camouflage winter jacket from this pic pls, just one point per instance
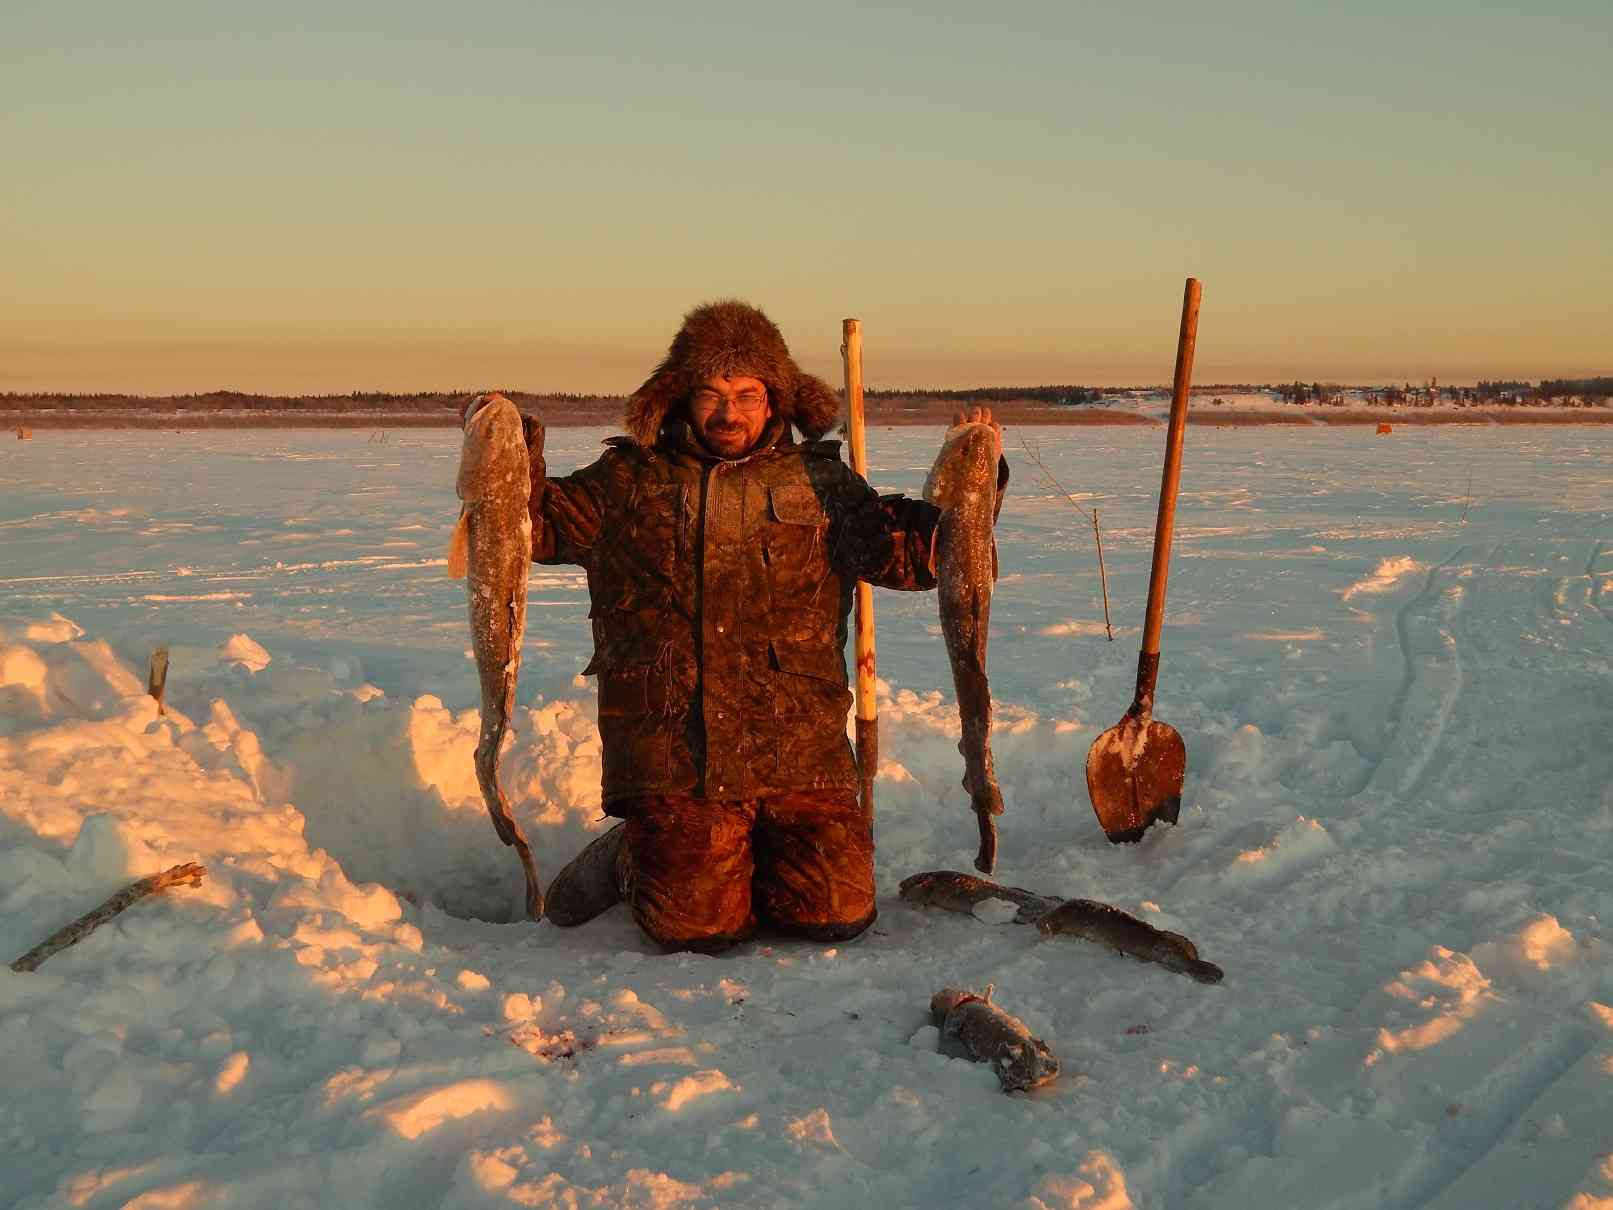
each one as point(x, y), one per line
point(720, 591)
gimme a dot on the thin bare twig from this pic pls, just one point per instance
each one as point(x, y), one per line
point(72, 934)
point(1097, 536)
point(1042, 466)
point(1103, 577)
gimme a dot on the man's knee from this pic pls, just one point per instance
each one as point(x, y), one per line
point(691, 873)
point(815, 866)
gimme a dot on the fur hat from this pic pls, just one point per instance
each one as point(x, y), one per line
point(733, 338)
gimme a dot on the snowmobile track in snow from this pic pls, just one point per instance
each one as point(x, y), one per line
point(1504, 1107)
point(1431, 682)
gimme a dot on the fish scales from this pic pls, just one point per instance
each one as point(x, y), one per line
point(1125, 934)
point(962, 484)
point(993, 1036)
point(492, 549)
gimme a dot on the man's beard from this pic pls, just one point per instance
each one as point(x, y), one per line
point(727, 438)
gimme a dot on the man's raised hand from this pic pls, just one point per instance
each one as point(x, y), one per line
point(980, 416)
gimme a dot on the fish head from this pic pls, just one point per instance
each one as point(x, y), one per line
point(915, 883)
point(966, 464)
point(494, 451)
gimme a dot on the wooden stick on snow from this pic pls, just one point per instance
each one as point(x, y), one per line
point(81, 928)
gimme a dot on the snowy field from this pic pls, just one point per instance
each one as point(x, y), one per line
point(1391, 659)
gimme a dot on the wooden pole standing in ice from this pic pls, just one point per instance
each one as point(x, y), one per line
point(851, 352)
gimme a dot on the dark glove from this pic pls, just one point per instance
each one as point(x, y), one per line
point(532, 429)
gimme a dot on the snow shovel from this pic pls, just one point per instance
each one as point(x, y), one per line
point(1135, 768)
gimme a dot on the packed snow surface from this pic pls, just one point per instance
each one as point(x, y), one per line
point(1391, 658)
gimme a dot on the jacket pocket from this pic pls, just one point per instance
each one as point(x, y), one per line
point(809, 657)
point(642, 674)
point(809, 680)
point(810, 704)
point(796, 504)
point(795, 546)
point(644, 698)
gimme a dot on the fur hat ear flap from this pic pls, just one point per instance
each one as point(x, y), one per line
point(815, 406)
point(650, 405)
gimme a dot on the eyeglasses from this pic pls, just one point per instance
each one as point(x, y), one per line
point(749, 400)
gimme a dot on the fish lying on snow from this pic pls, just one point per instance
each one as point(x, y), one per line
point(1125, 934)
point(492, 548)
point(1087, 919)
point(956, 892)
point(992, 1036)
point(963, 485)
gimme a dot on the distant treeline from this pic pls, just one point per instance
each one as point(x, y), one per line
point(892, 405)
point(215, 408)
point(241, 401)
point(1585, 388)
point(1060, 396)
point(426, 401)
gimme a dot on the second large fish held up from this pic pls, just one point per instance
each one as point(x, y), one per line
point(963, 485)
point(492, 549)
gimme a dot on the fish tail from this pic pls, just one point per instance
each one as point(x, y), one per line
point(1204, 972)
point(498, 806)
point(459, 546)
point(986, 858)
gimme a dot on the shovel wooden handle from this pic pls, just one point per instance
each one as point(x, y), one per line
point(1165, 524)
point(851, 351)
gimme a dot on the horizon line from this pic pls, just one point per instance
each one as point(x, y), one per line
point(839, 390)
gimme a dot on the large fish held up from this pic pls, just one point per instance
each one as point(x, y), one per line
point(491, 550)
point(963, 485)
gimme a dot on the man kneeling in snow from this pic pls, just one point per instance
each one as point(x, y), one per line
point(722, 556)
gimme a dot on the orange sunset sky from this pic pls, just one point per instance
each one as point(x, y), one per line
point(346, 195)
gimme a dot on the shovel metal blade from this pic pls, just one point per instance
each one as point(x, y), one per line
point(1135, 771)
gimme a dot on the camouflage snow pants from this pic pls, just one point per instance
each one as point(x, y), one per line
point(703, 872)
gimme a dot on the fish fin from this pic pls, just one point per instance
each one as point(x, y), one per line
point(994, 566)
point(459, 547)
point(935, 549)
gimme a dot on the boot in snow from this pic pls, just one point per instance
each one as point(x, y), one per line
point(590, 882)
